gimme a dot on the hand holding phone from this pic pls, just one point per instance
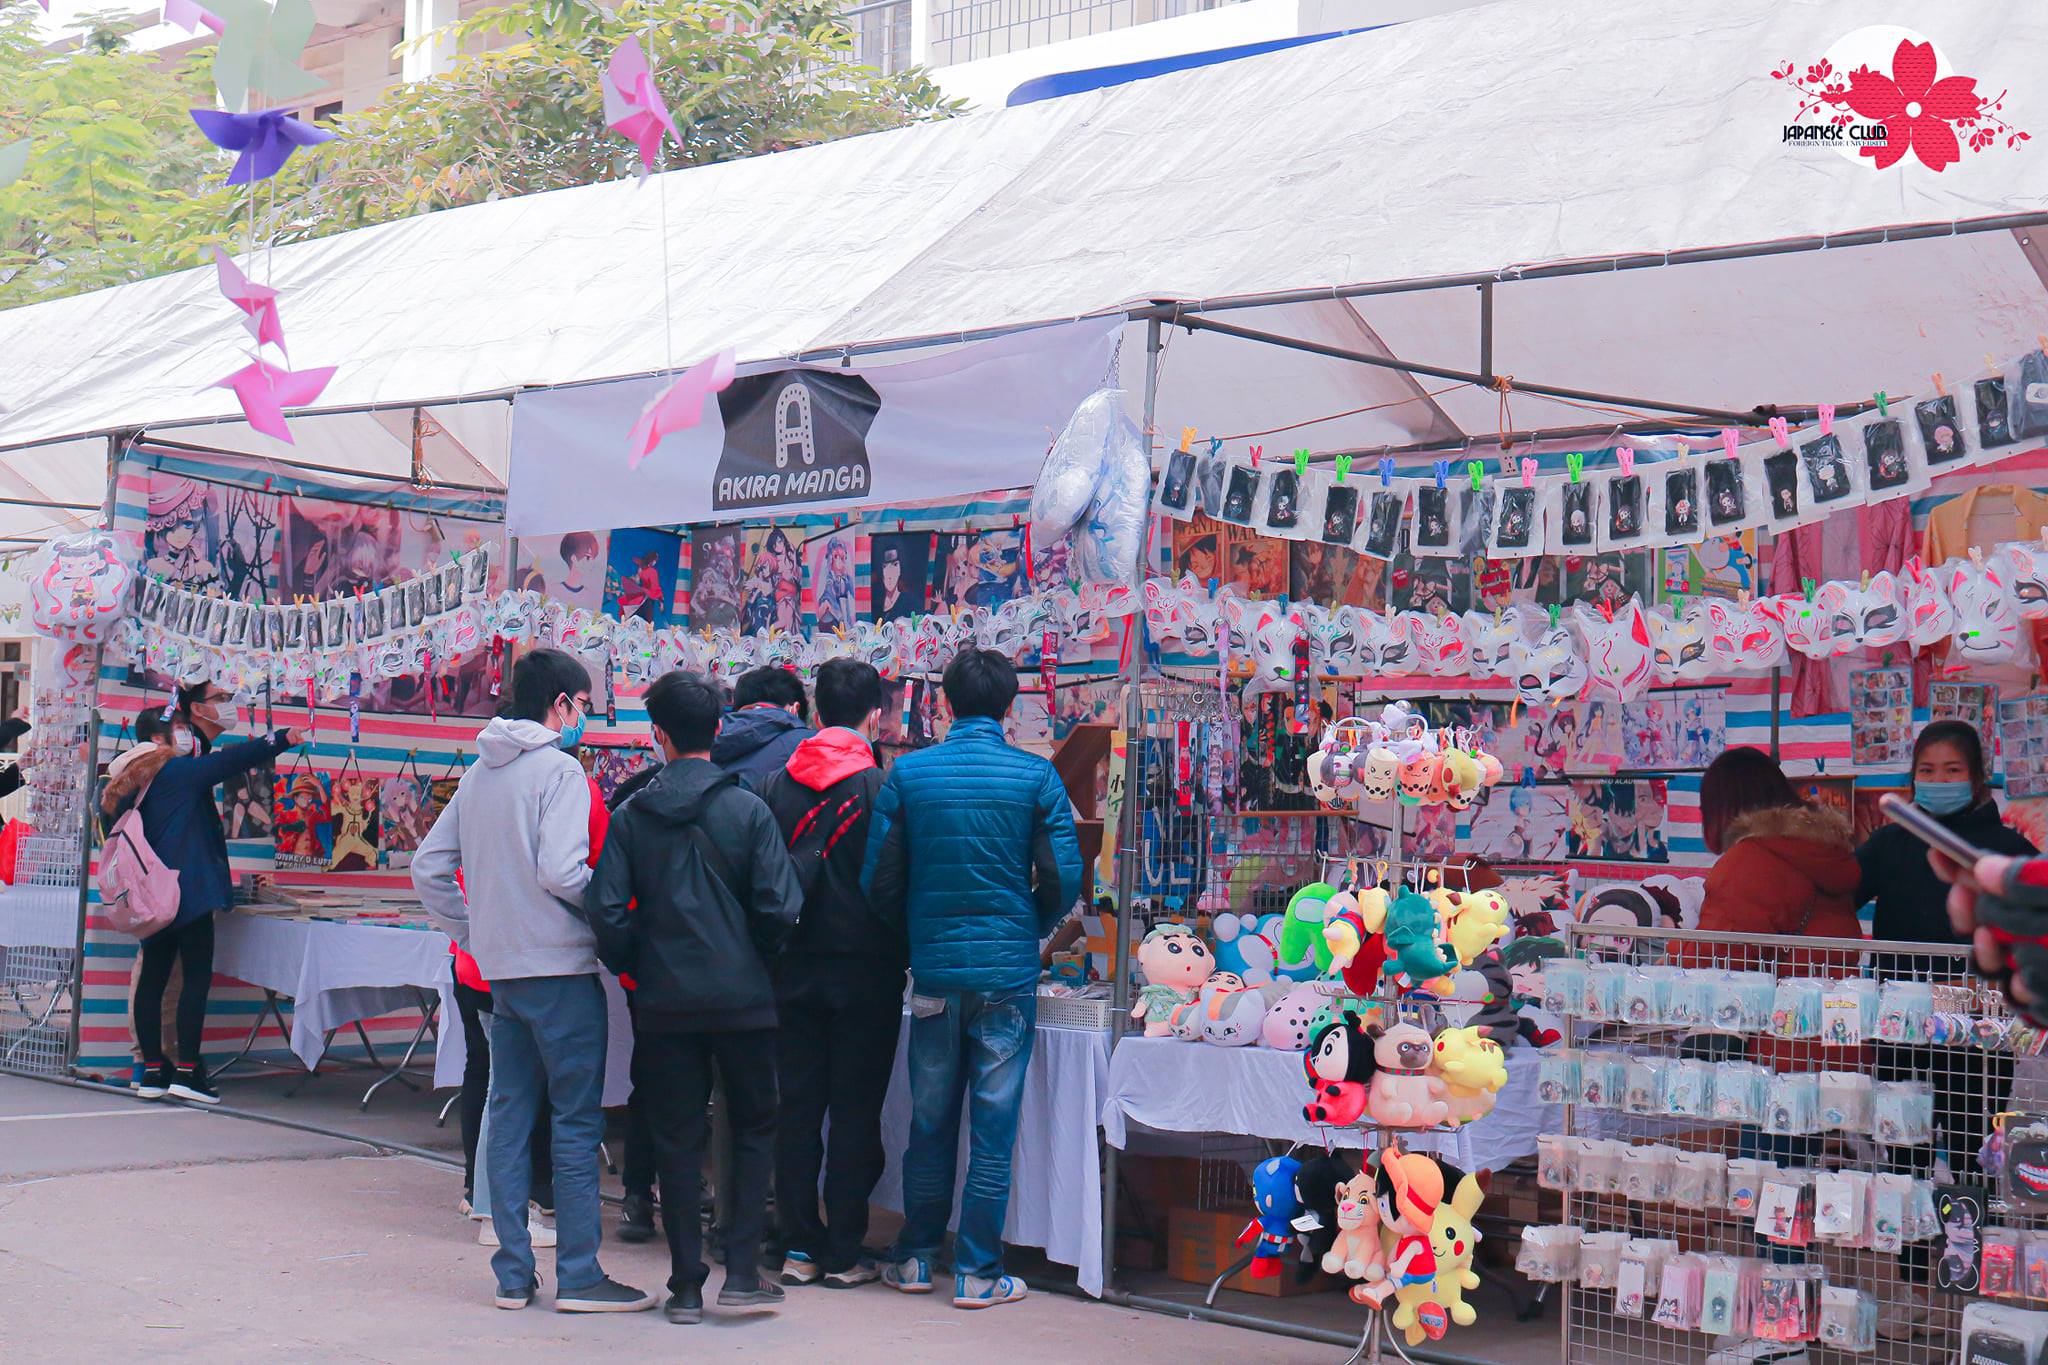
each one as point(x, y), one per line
point(1931, 831)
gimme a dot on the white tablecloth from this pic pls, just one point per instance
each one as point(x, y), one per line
point(1181, 1087)
point(1055, 1171)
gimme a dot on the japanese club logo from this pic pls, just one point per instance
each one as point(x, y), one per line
point(1884, 92)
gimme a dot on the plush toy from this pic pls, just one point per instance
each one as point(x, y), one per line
point(1619, 659)
point(1407, 1189)
point(1188, 1020)
point(1355, 1253)
point(1246, 944)
point(1317, 1186)
point(1419, 777)
point(1354, 932)
point(1290, 1022)
point(1301, 933)
point(1272, 1227)
point(1175, 963)
point(1501, 1013)
point(1402, 1093)
point(1473, 1069)
point(1477, 920)
point(1379, 775)
point(1425, 1311)
point(1463, 778)
point(1411, 940)
point(1340, 1064)
point(1232, 1018)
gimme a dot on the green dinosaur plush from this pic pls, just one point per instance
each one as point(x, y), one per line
point(1301, 934)
point(1411, 939)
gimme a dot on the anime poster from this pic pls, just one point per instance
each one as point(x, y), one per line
point(1673, 731)
point(640, 576)
point(569, 569)
point(1432, 586)
point(899, 569)
point(1520, 823)
point(1052, 565)
point(245, 804)
point(404, 815)
point(355, 828)
point(1198, 549)
point(1719, 566)
point(772, 581)
point(611, 767)
point(829, 561)
point(333, 548)
point(1618, 821)
point(304, 820)
point(977, 569)
point(212, 536)
point(1259, 564)
point(1610, 578)
point(1334, 575)
point(716, 568)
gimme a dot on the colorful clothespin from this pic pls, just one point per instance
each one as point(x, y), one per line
point(1343, 467)
point(1940, 385)
point(1781, 430)
point(1528, 473)
point(1826, 413)
point(1626, 457)
point(1807, 586)
point(1883, 408)
point(1187, 438)
point(1215, 446)
point(1728, 440)
point(1553, 615)
point(1576, 463)
point(1442, 469)
point(1256, 452)
point(1477, 471)
point(1301, 462)
point(1386, 471)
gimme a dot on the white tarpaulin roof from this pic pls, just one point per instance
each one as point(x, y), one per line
point(1522, 133)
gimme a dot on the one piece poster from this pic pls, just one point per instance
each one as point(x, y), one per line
point(1198, 550)
point(1257, 564)
point(835, 592)
point(715, 570)
point(1880, 717)
point(771, 591)
point(640, 577)
point(569, 569)
point(303, 819)
point(2023, 745)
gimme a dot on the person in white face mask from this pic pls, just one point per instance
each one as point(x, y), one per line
point(166, 775)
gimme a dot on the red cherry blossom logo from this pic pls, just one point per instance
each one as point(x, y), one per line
point(1932, 118)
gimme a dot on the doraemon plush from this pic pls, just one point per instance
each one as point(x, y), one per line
point(1247, 945)
point(1987, 629)
point(1619, 664)
point(1548, 670)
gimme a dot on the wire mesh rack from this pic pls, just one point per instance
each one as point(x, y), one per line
point(1758, 1134)
point(39, 912)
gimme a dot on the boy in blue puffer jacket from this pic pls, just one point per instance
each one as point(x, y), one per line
point(972, 845)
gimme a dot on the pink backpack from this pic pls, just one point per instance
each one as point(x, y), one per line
point(138, 891)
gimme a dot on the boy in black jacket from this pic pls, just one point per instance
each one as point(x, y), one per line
point(838, 989)
point(712, 898)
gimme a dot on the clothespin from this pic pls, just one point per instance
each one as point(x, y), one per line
point(1528, 473)
point(1343, 467)
point(1977, 556)
point(1626, 456)
point(1940, 385)
point(1477, 471)
point(1866, 580)
point(1553, 615)
point(1728, 439)
point(1443, 471)
point(1576, 463)
point(1883, 408)
point(1606, 610)
point(1215, 446)
point(1187, 438)
point(1256, 452)
point(1807, 586)
point(1990, 365)
point(1781, 430)
point(1386, 471)
point(1300, 462)
point(1826, 413)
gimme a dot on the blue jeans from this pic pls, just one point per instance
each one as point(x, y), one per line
point(976, 1048)
point(547, 1045)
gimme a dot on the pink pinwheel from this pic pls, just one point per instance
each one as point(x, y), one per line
point(192, 17)
point(256, 300)
point(266, 140)
point(265, 391)
point(633, 103)
point(678, 407)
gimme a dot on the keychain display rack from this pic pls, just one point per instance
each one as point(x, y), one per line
point(1965, 1077)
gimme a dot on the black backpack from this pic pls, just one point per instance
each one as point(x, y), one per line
point(832, 816)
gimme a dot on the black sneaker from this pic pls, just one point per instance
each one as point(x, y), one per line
point(685, 1306)
point(518, 1298)
point(156, 1082)
point(759, 1294)
point(636, 1219)
point(606, 1296)
point(190, 1083)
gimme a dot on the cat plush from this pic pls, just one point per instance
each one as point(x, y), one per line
point(1549, 669)
point(1619, 662)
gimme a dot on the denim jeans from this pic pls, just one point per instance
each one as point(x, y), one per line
point(971, 1047)
point(547, 1047)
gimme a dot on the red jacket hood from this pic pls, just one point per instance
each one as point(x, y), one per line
point(832, 755)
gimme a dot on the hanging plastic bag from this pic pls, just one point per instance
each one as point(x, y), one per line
point(1075, 466)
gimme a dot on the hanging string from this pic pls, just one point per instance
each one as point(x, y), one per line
point(1349, 412)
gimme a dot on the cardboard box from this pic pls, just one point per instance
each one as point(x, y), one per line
point(1200, 1245)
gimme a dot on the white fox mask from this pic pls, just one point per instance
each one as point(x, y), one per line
point(1618, 659)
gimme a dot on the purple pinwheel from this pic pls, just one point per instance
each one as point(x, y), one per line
point(266, 140)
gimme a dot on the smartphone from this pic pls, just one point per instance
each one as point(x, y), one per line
point(1930, 831)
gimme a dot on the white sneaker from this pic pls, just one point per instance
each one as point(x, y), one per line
point(462, 1207)
point(971, 1291)
point(1760, 1353)
point(542, 1234)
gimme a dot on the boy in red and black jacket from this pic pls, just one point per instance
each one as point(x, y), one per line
point(838, 986)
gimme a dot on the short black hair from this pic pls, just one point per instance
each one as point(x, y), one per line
point(191, 694)
point(848, 691)
point(771, 684)
point(578, 545)
point(686, 708)
point(541, 676)
point(1964, 738)
point(151, 723)
point(980, 682)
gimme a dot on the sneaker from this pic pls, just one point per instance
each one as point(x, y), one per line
point(685, 1306)
point(156, 1082)
point(190, 1083)
point(912, 1275)
point(1760, 1353)
point(462, 1206)
point(636, 1219)
point(971, 1291)
point(541, 1234)
point(798, 1268)
point(544, 1207)
point(759, 1294)
point(606, 1296)
point(137, 1075)
point(863, 1271)
point(517, 1298)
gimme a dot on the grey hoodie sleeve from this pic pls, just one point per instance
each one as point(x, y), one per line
point(434, 865)
point(562, 846)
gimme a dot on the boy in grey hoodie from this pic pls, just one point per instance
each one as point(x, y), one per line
point(518, 830)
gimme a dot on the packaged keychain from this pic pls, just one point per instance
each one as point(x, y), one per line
point(1848, 1318)
point(1646, 994)
point(1557, 1075)
point(1888, 1200)
point(1742, 1001)
point(1643, 1088)
point(1787, 1303)
point(1564, 986)
point(1600, 999)
point(1792, 1104)
point(1603, 1075)
point(1746, 1177)
point(1922, 1221)
point(1549, 1255)
point(1678, 1295)
point(2001, 1266)
point(1903, 1011)
point(1739, 1092)
point(1600, 1165)
point(1784, 1209)
point(1840, 1201)
point(1904, 1113)
point(1646, 1173)
point(1689, 1088)
point(1689, 999)
point(1557, 1161)
point(1845, 1102)
point(2034, 1266)
point(1849, 1011)
point(1720, 1296)
point(1699, 1180)
point(1796, 1008)
point(1600, 1259)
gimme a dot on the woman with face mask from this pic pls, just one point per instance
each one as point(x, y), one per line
point(1951, 783)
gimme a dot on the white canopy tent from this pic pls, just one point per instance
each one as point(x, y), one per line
point(1351, 188)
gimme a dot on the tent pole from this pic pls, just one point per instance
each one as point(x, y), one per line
point(1133, 708)
point(87, 819)
point(1755, 417)
point(1486, 333)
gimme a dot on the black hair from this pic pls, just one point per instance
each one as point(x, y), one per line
point(1966, 740)
point(540, 677)
point(191, 694)
point(848, 691)
point(151, 724)
point(578, 544)
point(770, 684)
point(980, 682)
point(686, 708)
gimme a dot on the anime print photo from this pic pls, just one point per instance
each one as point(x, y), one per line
point(1577, 510)
point(1827, 468)
point(1724, 492)
point(1781, 476)
point(1940, 429)
point(1283, 501)
point(1625, 507)
point(1682, 502)
point(1340, 515)
point(1178, 483)
point(1517, 518)
point(1884, 453)
point(1432, 518)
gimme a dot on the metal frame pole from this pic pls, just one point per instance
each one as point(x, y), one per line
point(1128, 827)
point(89, 818)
